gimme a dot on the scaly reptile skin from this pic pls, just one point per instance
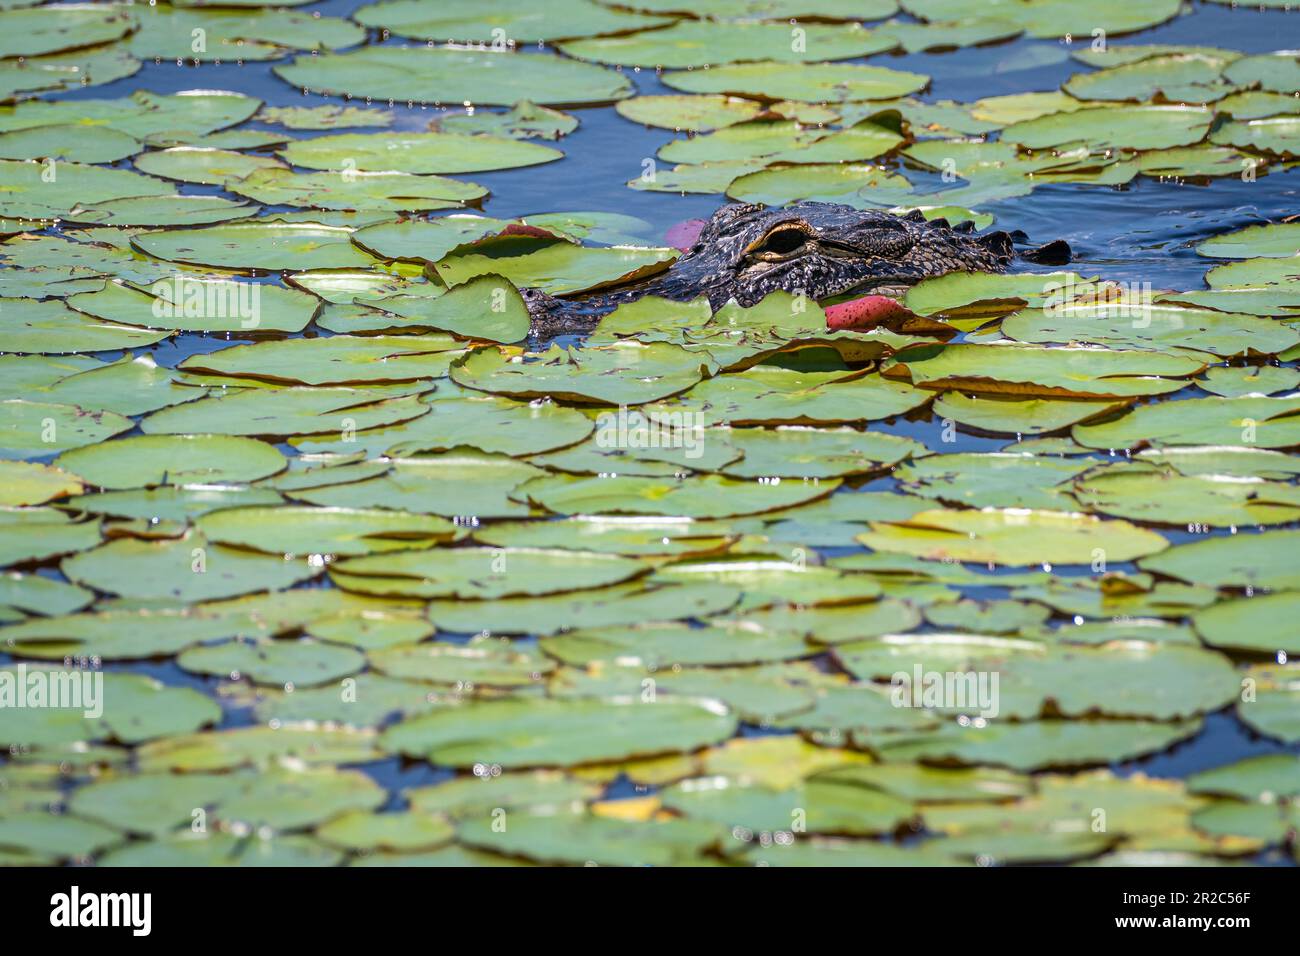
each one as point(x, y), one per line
point(746, 251)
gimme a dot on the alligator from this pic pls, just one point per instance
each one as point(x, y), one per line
point(747, 250)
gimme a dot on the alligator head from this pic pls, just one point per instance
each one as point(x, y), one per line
point(746, 251)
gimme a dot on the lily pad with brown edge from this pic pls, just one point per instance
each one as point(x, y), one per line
point(1033, 745)
point(1041, 371)
point(704, 496)
point(769, 395)
point(1009, 414)
point(1273, 241)
point(1155, 496)
point(1251, 421)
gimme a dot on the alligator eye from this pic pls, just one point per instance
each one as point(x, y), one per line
point(781, 241)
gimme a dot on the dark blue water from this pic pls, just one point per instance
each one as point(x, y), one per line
point(1141, 232)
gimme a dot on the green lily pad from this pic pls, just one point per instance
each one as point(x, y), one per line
point(1276, 240)
point(413, 153)
point(291, 411)
point(28, 326)
point(584, 838)
point(802, 82)
point(261, 34)
point(694, 113)
point(366, 191)
point(33, 32)
point(519, 20)
point(483, 573)
point(525, 121)
point(223, 849)
point(542, 732)
point(203, 165)
point(1259, 623)
point(560, 268)
point(1016, 537)
point(321, 531)
point(618, 606)
point(260, 245)
point(445, 75)
point(1031, 745)
point(1272, 134)
point(188, 569)
point(1253, 421)
point(41, 428)
point(1255, 778)
point(708, 496)
point(769, 395)
point(148, 460)
point(337, 360)
point(622, 373)
point(1161, 497)
point(483, 662)
point(29, 483)
point(275, 662)
point(631, 536)
point(1272, 712)
point(194, 304)
point(1115, 127)
point(1167, 328)
point(1037, 371)
point(452, 484)
point(1006, 414)
point(1238, 561)
point(694, 43)
point(30, 534)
